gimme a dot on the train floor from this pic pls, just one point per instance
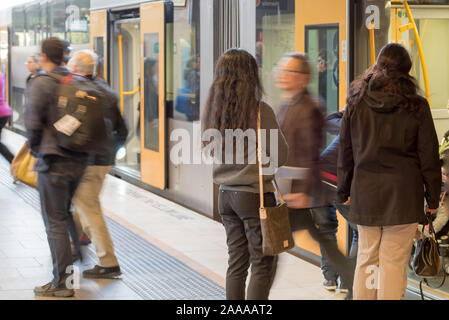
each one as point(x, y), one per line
point(165, 251)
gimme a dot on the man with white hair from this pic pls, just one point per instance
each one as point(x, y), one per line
point(86, 201)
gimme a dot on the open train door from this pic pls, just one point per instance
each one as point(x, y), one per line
point(321, 31)
point(153, 18)
point(98, 38)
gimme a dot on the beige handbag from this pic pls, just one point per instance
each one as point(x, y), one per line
point(276, 231)
point(22, 167)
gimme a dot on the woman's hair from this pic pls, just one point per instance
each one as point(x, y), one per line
point(390, 74)
point(235, 93)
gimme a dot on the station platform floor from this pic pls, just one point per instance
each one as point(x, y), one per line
point(165, 251)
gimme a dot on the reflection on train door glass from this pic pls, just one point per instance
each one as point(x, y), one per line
point(322, 47)
point(151, 91)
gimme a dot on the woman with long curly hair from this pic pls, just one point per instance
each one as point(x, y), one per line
point(233, 105)
point(388, 164)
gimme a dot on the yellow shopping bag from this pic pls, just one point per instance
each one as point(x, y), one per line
point(22, 167)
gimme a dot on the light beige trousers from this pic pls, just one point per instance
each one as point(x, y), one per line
point(88, 216)
point(382, 259)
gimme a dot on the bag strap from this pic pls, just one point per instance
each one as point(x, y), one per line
point(259, 158)
point(55, 76)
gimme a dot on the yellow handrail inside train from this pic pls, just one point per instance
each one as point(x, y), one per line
point(412, 25)
point(372, 44)
point(123, 93)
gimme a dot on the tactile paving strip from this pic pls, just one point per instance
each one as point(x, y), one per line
point(148, 270)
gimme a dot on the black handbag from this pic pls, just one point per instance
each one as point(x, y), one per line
point(426, 258)
point(275, 224)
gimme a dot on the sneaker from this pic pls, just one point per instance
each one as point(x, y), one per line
point(49, 290)
point(102, 272)
point(330, 285)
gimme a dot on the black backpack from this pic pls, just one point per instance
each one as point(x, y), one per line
point(77, 119)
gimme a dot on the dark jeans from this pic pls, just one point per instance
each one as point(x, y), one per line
point(4, 151)
point(56, 189)
point(301, 219)
point(326, 220)
point(240, 215)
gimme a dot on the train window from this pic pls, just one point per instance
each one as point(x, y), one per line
point(322, 47)
point(186, 62)
point(77, 21)
point(275, 36)
point(32, 14)
point(57, 18)
point(431, 25)
point(151, 91)
point(18, 26)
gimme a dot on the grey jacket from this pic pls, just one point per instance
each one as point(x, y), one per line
point(42, 95)
point(245, 177)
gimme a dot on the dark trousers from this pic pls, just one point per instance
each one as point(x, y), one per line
point(56, 189)
point(301, 219)
point(240, 215)
point(326, 220)
point(4, 151)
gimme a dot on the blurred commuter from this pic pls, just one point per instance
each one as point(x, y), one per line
point(326, 217)
point(59, 170)
point(388, 163)
point(302, 123)
point(86, 201)
point(5, 114)
point(233, 103)
point(67, 52)
point(33, 68)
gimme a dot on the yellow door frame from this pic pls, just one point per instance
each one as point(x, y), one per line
point(153, 163)
point(98, 28)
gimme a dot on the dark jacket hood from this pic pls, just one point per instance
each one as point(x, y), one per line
point(381, 101)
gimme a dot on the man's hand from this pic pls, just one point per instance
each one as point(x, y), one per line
point(348, 202)
point(298, 200)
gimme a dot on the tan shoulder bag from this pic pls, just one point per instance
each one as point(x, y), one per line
point(276, 231)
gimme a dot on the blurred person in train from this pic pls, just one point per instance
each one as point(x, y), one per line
point(388, 164)
point(86, 202)
point(5, 114)
point(233, 103)
point(59, 170)
point(33, 68)
point(67, 52)
point(301, 120)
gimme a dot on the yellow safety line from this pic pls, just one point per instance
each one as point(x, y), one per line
point(122, 93)
point(412, 25)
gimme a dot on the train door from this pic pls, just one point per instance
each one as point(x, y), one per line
point(152, 94)
point(4, 63)
point(321, 33)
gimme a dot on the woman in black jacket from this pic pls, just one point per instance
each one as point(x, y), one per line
point(233, 106)
point(388, 164)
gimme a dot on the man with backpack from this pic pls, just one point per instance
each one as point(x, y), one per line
point(86, 202)
point(59, 168)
